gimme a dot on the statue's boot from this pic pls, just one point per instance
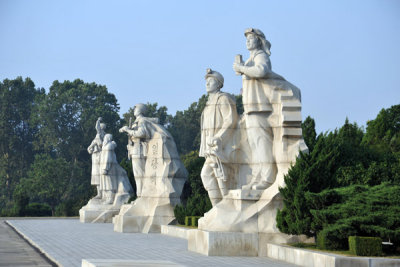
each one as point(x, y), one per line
point(268, 173)
point(254, 179)
point(262, 185)
point(109, 197)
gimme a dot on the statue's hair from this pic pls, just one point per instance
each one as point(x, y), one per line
point(263, 42)
point(108, 137)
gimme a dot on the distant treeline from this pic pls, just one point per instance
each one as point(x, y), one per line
point(44, 163)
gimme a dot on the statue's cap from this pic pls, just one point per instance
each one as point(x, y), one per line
point(140, 106)
point(265, 43)
point(254, 31)
point(215, 74)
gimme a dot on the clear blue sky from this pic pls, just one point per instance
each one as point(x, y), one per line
point(343, 55)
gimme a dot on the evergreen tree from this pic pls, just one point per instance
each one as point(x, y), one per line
point(309, 133)
point(328, 190)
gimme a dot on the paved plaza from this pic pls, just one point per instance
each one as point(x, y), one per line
point(67, 242)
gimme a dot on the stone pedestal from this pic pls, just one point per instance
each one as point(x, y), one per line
point(223, 243)
point(241, 225)
point(245, 211)
point(237, 244)
point(144, 215)
point(97, 212)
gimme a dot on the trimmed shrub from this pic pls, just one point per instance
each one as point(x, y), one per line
point(365, 246)
point(192, 220)
point(179, 212)
point(37, 210)
point(188, 220)
point(334, 237)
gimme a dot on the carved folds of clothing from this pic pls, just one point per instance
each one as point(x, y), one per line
point(95, 150)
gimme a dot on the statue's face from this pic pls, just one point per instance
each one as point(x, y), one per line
point(137, 111)
point(211, 85)
point(251, 41)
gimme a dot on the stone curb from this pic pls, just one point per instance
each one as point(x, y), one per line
point(305, 257)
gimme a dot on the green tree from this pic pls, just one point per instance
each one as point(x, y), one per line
point(309, 133)
point(316, 171)
point(346, 158)
point(185, 126)
point(357, 210)
point(384, 132)
point(66, 117)
point(50, 180)
point(18, 99)
point(195, 198)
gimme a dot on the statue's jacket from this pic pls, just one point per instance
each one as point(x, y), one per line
point(261, 84)
point(113, 176)
point(219, 121)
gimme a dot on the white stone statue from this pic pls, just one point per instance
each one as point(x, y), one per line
point(113, 186)
point(114, 178)
point(218, 123)
point(266, 142)
point(260, 84)
point(95, 150)
point(159, 176)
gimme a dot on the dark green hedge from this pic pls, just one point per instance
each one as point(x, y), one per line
point(365, 246)
point(334, 237)
point(37, 210)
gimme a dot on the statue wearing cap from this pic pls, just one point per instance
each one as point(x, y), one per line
point(218, 122)
point(260, 87)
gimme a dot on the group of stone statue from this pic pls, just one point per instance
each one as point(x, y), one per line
point(246, 158)
point(158, 171)
point(108, 177)
point(254, 141)
point(111, 180)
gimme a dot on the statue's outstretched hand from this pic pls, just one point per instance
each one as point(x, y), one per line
point(123, 129)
